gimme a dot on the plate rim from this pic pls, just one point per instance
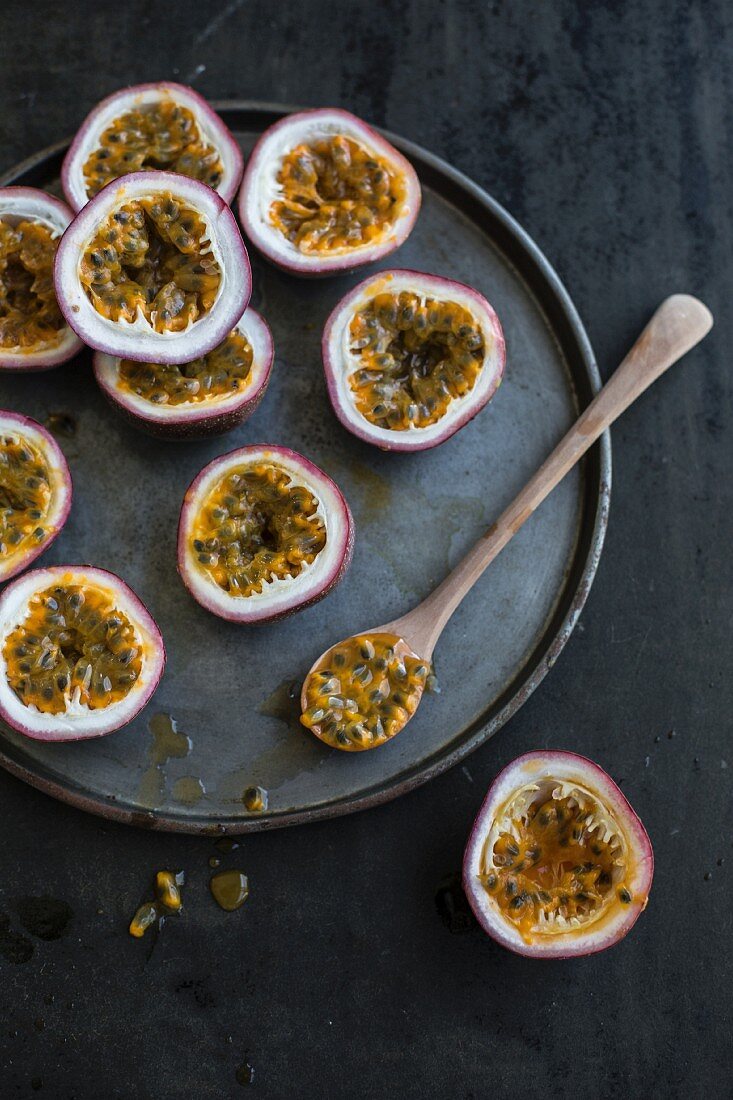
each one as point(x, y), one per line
point(592, 529)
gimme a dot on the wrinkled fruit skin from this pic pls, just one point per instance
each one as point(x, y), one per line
point(205, 421)
point(303, 127)
point(341, 537)
point(115, 105)
point(557, 766)
point(35, 205)
point(54, 456)
point(41, 726)
point(137, 340)
point(460, 413)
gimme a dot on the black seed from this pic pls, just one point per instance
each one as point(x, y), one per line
point(625, 897)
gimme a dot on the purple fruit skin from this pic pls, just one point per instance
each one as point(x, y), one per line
point(147, 620)
point(342, 265)
point(35, 552)
point(205, 424)
point(331, 367)
point(333, 580)
point(55, 356)
point(222, 130)
point(641, 842)
point(80, 229)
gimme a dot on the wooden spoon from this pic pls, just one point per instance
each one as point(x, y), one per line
point(679, 323)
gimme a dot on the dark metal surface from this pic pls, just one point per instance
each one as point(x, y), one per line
point(415, 515)
point(606, 129)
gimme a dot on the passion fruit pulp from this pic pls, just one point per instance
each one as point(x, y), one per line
point(324, 193)
point(410, 358)
point(263, 533)
point(79, 654)
point(153, 269)
point(33, 332)
point(558, 864)
point(363, 691)
point(208, 396)
point(35, 492)
point(152, 255)
point(151, 127)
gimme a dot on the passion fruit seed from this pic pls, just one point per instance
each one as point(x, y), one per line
point(152, 255)
point(25, 495)
point(162, 135)
point(29, 312)
point(255, 799)
point(558, 865)
point(415, 355)
point(168, 899)
point(222, 371)
point(365, 694)
point(335, 195)
point(74, 647)
point(256, 525)
point(168, 888)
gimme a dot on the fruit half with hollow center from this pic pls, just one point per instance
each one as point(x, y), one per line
point(263, 533)
point(161, 126)
point(208, 396)
point(324, 193)
point(33, 332)
point(35, 492)
point(153, 269)
point(558, 864)
point(80, 655)
point(410, 358)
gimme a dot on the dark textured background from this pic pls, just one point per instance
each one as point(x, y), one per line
point(606, 130)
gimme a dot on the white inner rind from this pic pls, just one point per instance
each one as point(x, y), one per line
point(79, 720)
point(58, 481)
point(518, 781)
point(250, 325)
point(281, 593)
point(601, 819)
point(126, 101)
point(345, 361)
point(31, 208)
point(265, 189)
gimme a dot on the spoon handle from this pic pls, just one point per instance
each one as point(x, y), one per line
point(679, 323)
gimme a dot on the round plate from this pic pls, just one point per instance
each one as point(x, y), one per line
point(229, 688)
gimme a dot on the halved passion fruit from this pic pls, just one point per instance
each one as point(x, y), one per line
point(151, 126)
point(35, 492)
point(153, 269)
point(324, 193)
point(558, 864)
point(208, 396)
point(79, 654)
point(263, 533)
point(33, 332)
point(410, 358)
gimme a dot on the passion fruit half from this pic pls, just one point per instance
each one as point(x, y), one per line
point(208, 396)
point(33, 332)
point(153, 269)
point(161, 126)
point(410, 358)
point(557, 864)
point(35, 492)
point(263, 533)
point(80, 655)
point(324, 193)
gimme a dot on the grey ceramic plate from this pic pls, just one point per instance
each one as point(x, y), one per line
point(227, 686)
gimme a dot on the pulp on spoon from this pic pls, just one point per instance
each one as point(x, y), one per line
point(363, 691)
